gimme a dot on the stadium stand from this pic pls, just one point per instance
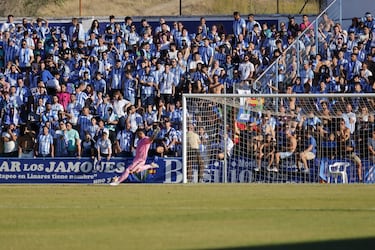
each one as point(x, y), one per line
point(75, 84)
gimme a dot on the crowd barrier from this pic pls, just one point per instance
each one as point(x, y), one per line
point(72, 170)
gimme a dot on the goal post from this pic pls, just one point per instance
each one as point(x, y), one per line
point(278, 138)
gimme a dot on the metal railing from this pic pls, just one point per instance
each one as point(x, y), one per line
point(309, 42)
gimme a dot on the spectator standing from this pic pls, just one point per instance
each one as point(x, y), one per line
point(9, 24)
point(239, 25)
point(116, 78)
point(124, 142)
point(111, 124)
point(84, 121)
point(73, 141)
point(63, 96)
point(130, 87)
point(206, 52)
point(73, 109)
point(61, 141)
point(104, 146)
point(246, 69)
point(293, 27)
point(76, 32)
point(169, 135)
point(45, 146)
point(193, 152)
point(119, 107)
point(25, 57)
point(88, 146)
point(346, 147)
point(9, 138)
point(349, 118)
point(26, 143)
point(166, 85)
point(148, 87)
point(40, 28)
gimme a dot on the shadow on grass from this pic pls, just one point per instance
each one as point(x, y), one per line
point(344, 244)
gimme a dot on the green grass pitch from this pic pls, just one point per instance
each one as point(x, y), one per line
point(211, 216)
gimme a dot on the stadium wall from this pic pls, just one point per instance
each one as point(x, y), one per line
point(83, 171)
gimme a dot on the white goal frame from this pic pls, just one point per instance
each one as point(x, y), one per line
point(223, 99)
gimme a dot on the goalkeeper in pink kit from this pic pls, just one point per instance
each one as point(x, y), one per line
point(139, 162)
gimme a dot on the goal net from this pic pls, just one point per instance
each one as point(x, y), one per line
point(279, 138)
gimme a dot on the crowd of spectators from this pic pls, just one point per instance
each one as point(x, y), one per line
point(60, 92)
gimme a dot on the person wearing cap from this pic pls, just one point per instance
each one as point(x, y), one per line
point(139, 161)
point(104, 146)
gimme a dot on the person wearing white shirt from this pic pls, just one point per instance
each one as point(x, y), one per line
point(349, 118)
point(246, 68)
point(9, 24)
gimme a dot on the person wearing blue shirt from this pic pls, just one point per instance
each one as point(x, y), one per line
point(298, 86)
point(353, 67)
point(45, 146)
point(239, 25)
point(124, 142)
point(148, 87)
point(369, 21)
point(99, 83)
point(206, 52)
